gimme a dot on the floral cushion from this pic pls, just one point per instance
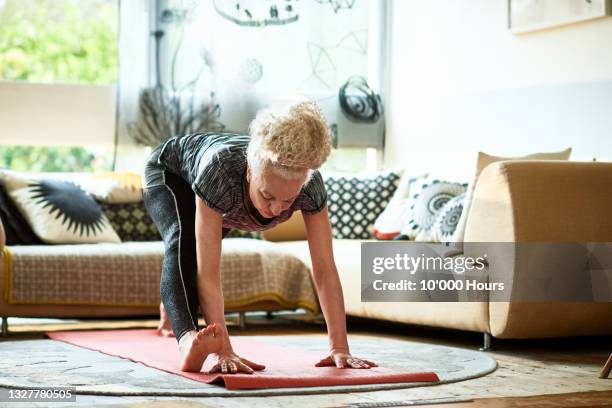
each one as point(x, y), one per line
point(446, 220)
point(427, 198)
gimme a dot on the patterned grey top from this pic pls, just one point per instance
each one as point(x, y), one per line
point(215, 166)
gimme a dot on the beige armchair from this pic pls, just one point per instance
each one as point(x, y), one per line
point(543, 201)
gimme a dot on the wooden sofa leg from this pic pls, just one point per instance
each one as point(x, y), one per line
point(4, 331)
point(486, 343)
point(242, 320)
point(605, 371)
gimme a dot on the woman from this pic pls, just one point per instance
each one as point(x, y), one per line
point(198, 187)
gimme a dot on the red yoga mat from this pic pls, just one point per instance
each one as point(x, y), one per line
point(286, 367)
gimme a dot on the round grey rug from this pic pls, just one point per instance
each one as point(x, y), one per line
point(48, 363)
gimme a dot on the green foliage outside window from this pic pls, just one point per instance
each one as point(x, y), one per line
point(59, 41)
point(43, 158)
point(51, 41)
point(74, 41)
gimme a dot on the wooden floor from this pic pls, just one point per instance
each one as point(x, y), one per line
point(532, 373)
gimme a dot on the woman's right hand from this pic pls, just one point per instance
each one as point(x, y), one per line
point(230, 363)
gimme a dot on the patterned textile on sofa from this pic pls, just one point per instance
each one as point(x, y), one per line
point(131, 221)
point(356, 200)
point(128, 274)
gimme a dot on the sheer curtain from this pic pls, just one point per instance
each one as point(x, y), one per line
point(136, 22)
point(236, 57)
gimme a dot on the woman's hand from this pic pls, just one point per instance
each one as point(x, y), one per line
point(341, 360)
point(230, 363)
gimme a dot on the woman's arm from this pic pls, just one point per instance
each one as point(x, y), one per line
point(329, 289)
point(208, 226)
point(325, 276)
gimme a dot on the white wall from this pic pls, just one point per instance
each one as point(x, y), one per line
point(461, 82)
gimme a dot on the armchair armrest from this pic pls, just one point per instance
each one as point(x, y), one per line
point(545, 201)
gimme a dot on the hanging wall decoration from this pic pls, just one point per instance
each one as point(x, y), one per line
point(251, 70)
point(358, 102)
point(257, 13)
point(168, 110)
point(220, 62)
point(338, 4)
point(322, 58)
point(532, 15)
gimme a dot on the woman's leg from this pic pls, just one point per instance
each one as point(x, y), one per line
point(171, 205)
point(164, 327)
point(172, 208)
point(151, 177)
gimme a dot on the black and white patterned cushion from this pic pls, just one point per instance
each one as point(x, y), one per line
point(447, 219)
point(354, 202)
point(58, 211)
point(16, 227)
point(429, 196)
point(131, 221)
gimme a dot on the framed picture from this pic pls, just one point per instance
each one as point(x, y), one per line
point(531, 15)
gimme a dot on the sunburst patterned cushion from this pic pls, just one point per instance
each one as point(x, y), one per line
point(59, 211)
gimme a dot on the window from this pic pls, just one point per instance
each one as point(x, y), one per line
point(272, 53)
point(351, 159)
point(47, 41)
point(52, 49)
point(43, 158)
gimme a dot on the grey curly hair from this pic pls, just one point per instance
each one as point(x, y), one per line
point(292, 142)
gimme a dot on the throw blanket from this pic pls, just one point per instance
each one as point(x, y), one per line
point(128, 274)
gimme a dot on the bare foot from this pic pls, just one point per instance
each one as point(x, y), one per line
point(165, 327)
point(195, 346)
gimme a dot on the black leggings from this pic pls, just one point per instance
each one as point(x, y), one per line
point(171, 205)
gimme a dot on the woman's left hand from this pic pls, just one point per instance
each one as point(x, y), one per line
point(342, 360)
point(230, 363)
